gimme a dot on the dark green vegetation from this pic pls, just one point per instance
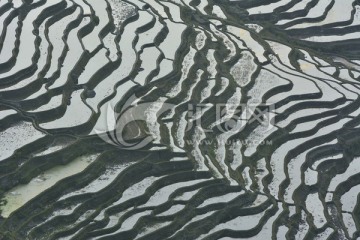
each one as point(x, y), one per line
point(68, 66)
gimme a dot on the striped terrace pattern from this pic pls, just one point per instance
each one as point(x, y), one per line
point(68, 67)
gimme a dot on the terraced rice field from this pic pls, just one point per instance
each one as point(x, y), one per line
point(146, 119)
